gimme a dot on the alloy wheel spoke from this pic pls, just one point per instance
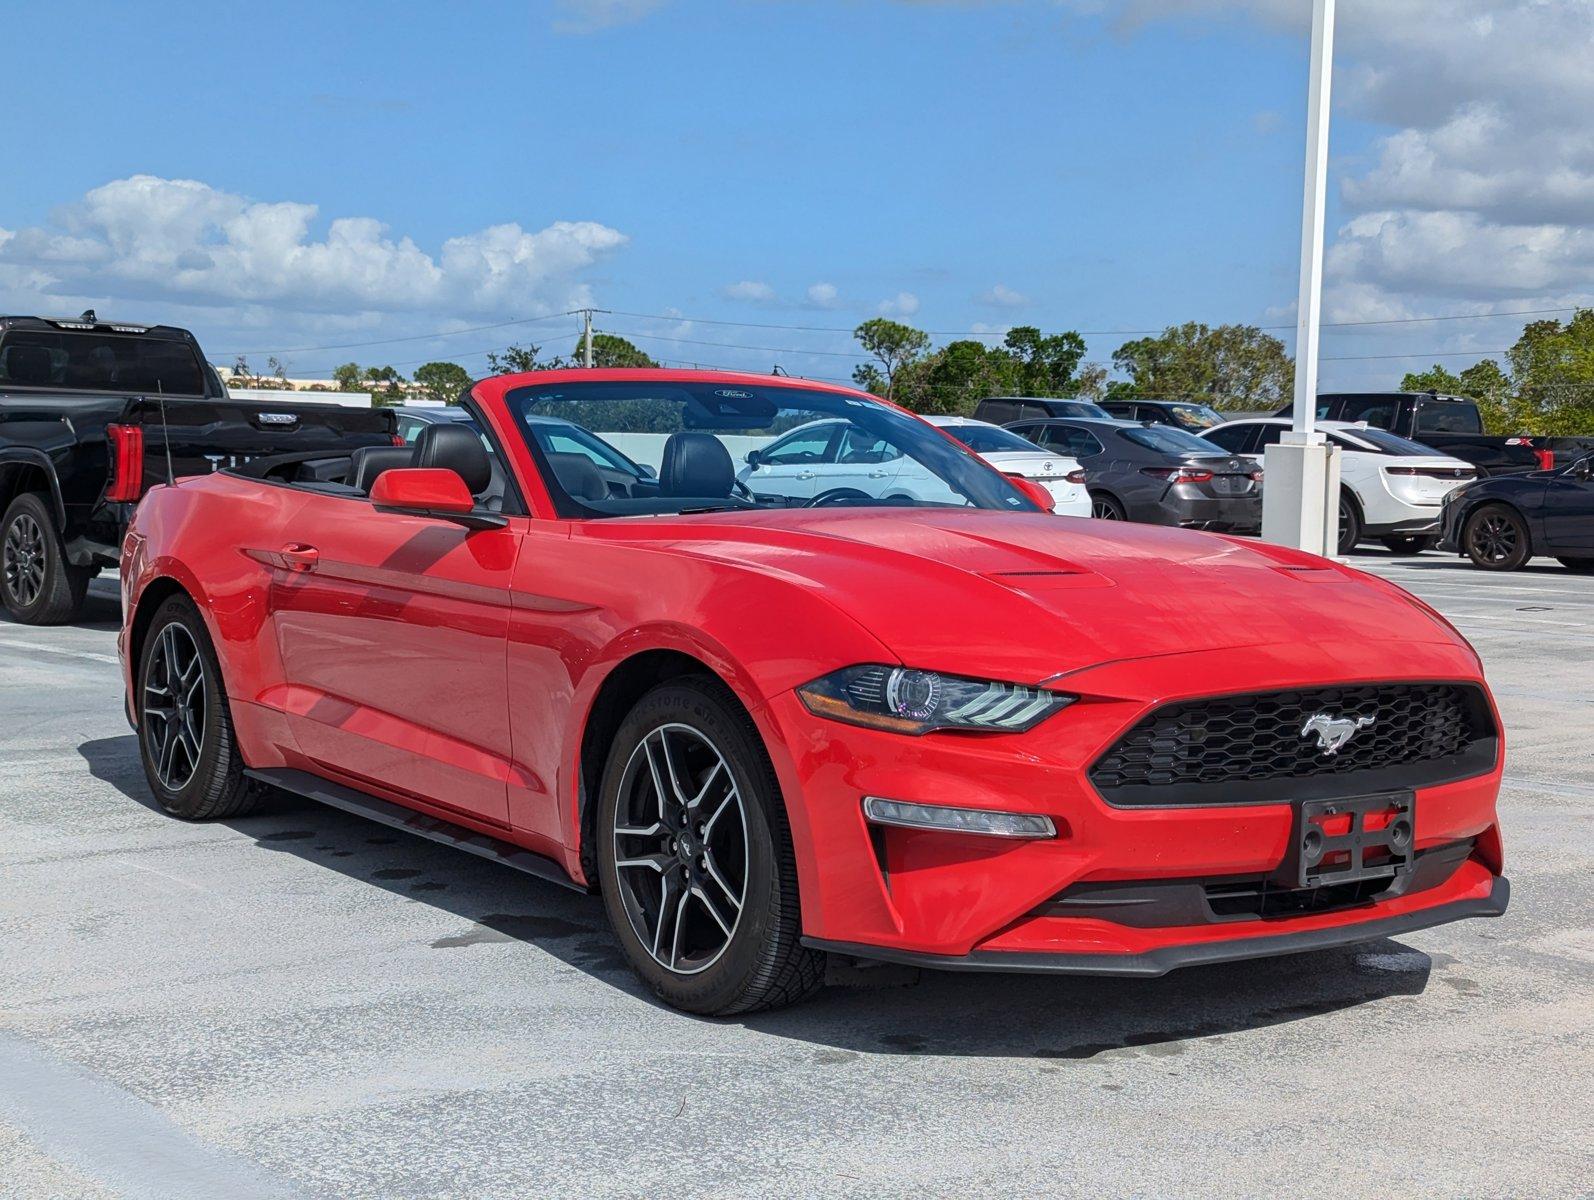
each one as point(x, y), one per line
point(664, 864)
point(708, 826)
point(676, 791)
point(653, 770)
point(696, 801)
point(711, 869)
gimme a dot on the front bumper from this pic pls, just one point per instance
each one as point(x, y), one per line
point(963, 900)
point(1159, 961)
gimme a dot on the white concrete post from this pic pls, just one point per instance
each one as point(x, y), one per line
point(1300, 500)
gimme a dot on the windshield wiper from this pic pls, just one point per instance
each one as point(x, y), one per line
point(713, 508)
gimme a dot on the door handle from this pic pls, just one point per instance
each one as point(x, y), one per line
point(806, 474)
point(296, 556)
point(878, 474)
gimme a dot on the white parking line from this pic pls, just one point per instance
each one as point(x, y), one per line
point(42, 648)
point(113, 1137)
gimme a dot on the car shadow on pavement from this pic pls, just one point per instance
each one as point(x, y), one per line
point(879, 1010)
point(102, 609)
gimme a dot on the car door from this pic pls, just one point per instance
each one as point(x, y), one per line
point(1569, 509)
point(798, 465)
point(393, 631)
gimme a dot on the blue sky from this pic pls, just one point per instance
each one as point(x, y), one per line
point(1102, 166)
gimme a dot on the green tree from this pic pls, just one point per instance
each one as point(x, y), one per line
point(387, 386)
point(442, 381)
point(611, 350)
point(1227, 366)
point(1044, 365)
point(894, 344)
point(515, 359)
point(349, 377)
point(1547, 390)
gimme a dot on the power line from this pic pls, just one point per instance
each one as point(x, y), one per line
point(418, 337)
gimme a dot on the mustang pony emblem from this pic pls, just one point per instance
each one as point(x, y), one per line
point(1333, 732)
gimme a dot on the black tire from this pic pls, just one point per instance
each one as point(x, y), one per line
point(1582, 566)
point(1409, 543)
point(1495, 537)
point(754, 961)
point(1350, 523)
point(1106, 507)
point(197, 785)
point(37, 585)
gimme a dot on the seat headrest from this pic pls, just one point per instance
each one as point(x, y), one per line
point(456, 448)
point(579, 476)
point(28, 364)
point(696, 464)
point(366, 463)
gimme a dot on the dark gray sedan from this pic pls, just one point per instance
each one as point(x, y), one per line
point(1156, 473)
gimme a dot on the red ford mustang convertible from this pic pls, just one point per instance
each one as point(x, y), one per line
point(861, 694)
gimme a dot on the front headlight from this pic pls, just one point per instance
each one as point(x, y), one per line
point(905, 700)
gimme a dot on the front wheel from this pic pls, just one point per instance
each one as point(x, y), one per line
point(1496, 538)
point(695, 857)
point(37, 584)
point(1409, 543)
point(186, 741)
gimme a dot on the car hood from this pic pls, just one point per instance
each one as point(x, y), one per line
point(1028, 596)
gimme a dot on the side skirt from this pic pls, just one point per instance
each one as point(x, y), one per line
point(396, 816)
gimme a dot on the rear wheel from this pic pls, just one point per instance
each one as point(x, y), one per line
point(695, 857)
point(1106, 508)
point(37, 584)
point(1583, 566)
point(1409, 543)
point(186, 742)
point(1350, 523)
point(1496, 538)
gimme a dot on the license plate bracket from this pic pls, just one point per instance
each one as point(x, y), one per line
point(1351, 839)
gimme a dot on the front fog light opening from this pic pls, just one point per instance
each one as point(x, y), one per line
point(981, 821)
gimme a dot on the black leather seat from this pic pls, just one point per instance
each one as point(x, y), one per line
point(366, 463)
point(456, 448)
point(579, 476)
point(696, 464)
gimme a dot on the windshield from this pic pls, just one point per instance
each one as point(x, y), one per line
point(1168, 440)
point(1390, 443)
point(1448, 416)
point(1198, 415)
point(100, 362)
point(710, 446)
point(989, 439)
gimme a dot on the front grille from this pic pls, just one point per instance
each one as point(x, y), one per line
point(1256, 749)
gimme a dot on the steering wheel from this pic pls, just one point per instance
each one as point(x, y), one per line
point(835, 497)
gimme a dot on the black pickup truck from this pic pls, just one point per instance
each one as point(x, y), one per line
point(93, 414)
point(1449, 424)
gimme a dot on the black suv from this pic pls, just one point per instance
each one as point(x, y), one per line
point(1181, 414)
point(92, 414)
point(1000, 410)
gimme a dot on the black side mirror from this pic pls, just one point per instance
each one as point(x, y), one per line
point(1583, 468)
point(754, 458)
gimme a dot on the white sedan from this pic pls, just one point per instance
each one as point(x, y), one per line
point(1391, 488)
point(1012, 455)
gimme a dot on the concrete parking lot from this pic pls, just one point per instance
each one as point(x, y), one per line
point(302, 1004)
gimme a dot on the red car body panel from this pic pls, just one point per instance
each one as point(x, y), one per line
point(454, 671)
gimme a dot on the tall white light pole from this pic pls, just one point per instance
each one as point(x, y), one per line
point(1301, 498)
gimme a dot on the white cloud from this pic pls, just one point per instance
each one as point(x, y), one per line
point(182, 241)
point(590, 16)
point(903, 304)
point(1002, 296)
point(1484, 193)
point(752, 291)
point(822, 295)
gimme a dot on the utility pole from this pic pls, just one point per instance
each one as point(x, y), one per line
point(1300, 504)
point(586, 338)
